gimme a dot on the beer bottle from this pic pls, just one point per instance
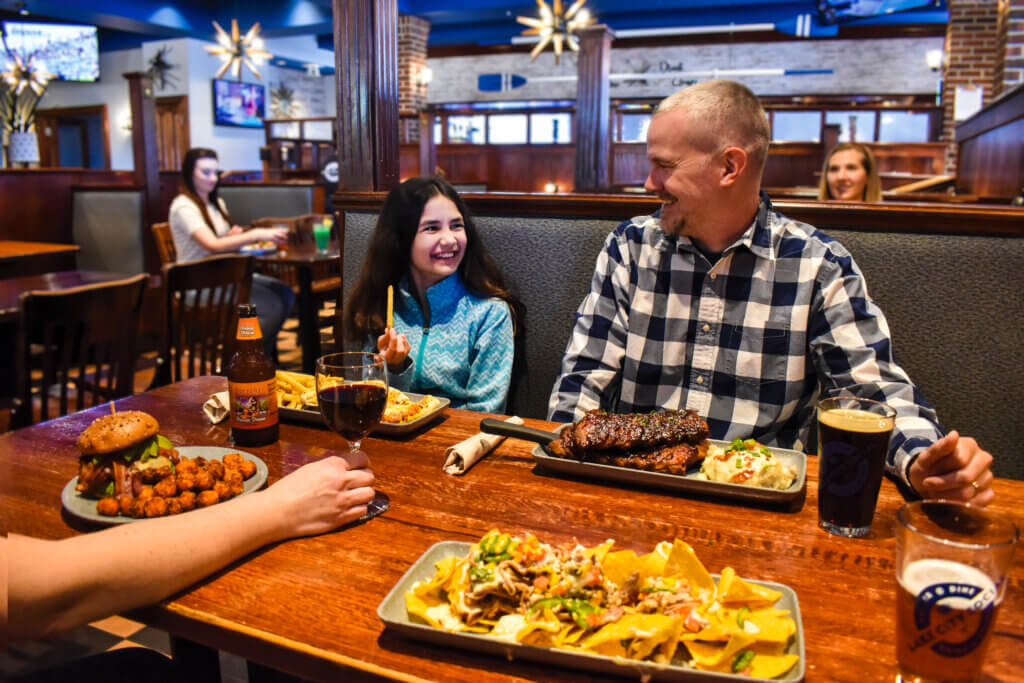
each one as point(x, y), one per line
point(252, 384)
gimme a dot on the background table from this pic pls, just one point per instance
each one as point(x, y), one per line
point(308, 606)
point(18, 259)
point(306, 261)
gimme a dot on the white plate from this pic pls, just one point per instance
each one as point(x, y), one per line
point(85, 508)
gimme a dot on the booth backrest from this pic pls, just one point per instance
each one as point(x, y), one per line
point(953, 303)
point(107, 225)
point(249, 202)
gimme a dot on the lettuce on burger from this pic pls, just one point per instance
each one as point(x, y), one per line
point(118, 451)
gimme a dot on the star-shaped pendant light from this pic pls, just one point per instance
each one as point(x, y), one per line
point(557, 25)
point(25, 73)
point(237, 49)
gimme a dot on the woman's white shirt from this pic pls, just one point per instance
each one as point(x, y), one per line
point(185, 218)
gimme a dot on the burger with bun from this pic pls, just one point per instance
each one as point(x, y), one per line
point(120, 452)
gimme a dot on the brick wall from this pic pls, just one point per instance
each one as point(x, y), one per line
point(972, 55)
point(1009, 72)
point(412, 59)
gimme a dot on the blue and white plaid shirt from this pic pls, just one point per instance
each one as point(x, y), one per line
point(749, 342)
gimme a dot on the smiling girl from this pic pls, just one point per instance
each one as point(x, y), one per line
point(455, 321)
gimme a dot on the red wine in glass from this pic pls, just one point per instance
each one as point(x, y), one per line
point(353, 409)
point(352, 390)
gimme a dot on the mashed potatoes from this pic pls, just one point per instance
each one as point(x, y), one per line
point(746, 462)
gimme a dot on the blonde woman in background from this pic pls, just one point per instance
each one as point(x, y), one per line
point(850, 174)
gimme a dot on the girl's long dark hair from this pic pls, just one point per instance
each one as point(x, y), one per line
point(188, 168)
point(387, 260)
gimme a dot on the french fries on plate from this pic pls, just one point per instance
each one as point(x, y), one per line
point(297, 391)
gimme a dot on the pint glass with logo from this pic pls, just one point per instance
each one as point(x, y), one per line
point(951, 565)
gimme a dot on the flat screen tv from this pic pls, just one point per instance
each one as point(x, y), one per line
point(238, 104)
point(70, 51)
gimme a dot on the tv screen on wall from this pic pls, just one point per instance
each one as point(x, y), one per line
point(238, 104)
point(69, 51)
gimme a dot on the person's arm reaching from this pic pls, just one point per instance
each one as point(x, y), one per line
point(852, 348)
point(593, 357)
point(188, 214)
point(56, 585)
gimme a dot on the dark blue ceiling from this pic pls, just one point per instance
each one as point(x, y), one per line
point(126, 23)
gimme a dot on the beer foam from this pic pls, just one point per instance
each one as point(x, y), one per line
point(921, 574)
point(853, 420)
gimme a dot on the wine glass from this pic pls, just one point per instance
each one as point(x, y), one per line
point(352, 390)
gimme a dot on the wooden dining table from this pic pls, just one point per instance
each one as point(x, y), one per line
point(308, 606)
point(306, 261)
point(20, 258)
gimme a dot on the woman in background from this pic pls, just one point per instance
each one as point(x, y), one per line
point(455, 321)
point(850, 174)
point(201, 227)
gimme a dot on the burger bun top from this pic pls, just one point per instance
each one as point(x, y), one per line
point(114, 432)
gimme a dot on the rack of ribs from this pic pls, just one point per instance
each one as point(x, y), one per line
point(667, 441)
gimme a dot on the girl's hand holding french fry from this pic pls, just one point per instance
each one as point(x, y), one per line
point(394, 347)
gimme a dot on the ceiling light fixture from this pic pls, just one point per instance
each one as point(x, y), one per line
point(556, 25)
point(26, 73)
point(237, 50)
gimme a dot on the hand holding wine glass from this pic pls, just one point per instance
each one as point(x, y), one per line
point(352, 390)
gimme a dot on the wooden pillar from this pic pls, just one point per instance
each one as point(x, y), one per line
point(366, 78)
point(147, 165)
point(593, 137)
point(428, 150)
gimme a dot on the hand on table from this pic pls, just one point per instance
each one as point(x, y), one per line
point(955, 468)
point(324, 494)
point(393, 347)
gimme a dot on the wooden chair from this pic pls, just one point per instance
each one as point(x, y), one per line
point(165, 243)
point(202, 307)
point(87, 336)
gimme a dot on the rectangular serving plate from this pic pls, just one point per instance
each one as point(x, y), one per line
point(687, 483)
point(394, 615)
point(313, 416)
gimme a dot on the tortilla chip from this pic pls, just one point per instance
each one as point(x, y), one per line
point(433, 611)
point(772, 666)
point(716, 656)
point(443, 571)
point(682, 561)
point(654, 629)
point(618, 566)
point(733, 590)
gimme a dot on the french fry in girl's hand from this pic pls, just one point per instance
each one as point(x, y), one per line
point(391, 307)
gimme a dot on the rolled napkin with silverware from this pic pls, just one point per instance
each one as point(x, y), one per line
point(463, 455)
point(217, 407)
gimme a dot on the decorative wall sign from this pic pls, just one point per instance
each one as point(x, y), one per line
point(160, 69)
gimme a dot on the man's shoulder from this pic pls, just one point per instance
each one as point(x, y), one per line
point(797, 239)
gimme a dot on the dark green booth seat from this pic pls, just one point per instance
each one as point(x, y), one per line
point(950, 279)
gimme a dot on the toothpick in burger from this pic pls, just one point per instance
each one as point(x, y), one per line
point(119, 451)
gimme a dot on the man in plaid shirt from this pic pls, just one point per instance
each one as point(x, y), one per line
point(719, 304)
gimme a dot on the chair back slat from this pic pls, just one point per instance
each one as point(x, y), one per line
point(165, 243)
point(201, 306)
point(86, 334)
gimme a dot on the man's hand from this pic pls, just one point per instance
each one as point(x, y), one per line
point(955, 468)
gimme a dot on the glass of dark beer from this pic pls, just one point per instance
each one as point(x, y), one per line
point(853, 440)
point(951, 566)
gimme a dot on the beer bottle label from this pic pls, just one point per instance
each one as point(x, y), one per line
point(253, 404)
point(249, 328)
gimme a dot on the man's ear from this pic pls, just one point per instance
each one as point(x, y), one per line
point(734, 163)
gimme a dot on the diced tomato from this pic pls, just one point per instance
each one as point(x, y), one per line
point(692, 623)
point(541, 582)
point(559, 589)
point(741, 476)
point(594, 619)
